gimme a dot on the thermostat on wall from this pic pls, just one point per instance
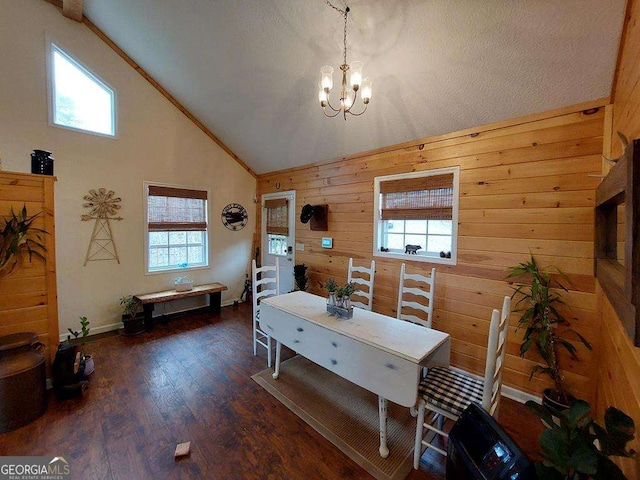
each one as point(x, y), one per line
point(327, 242)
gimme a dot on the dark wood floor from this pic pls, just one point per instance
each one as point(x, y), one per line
point(189, 380)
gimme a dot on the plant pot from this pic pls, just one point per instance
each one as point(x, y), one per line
point(89, 366)
point(552, 399)
point(133, 326)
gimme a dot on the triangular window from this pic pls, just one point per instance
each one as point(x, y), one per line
point(79, 100)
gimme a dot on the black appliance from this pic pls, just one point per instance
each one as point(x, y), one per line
point(41, 162)
point(479, 449)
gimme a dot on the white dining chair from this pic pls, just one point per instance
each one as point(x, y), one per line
point(362, 282)
point(446, 392)
point(267, 285)
point(418, 297)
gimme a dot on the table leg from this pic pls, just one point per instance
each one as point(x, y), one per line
point(215, 302)
point(148, 316)
point(382, 411)
point(277, 367)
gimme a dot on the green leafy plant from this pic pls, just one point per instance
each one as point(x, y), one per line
point(84, 329)
point(300, 276)
point(331, 285)
point(348, 289)
point(540, 318)
point(130, 306)
point(576, 447)
point(18, 235)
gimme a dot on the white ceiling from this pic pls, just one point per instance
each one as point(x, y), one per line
point(248, 69)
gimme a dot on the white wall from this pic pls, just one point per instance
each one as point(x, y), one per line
point(156, 142)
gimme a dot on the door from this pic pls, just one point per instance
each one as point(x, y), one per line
point(278, 234)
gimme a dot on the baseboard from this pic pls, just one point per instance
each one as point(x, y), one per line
point(508, 392)
point(117, 325)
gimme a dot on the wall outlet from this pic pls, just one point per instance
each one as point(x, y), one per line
point(300, 247)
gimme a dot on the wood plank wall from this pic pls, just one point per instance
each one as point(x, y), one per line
point(28, 295)
point(619, 361)
point(523, 188)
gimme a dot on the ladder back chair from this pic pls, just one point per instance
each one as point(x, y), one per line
point(267, 286)
point(361, 281)
point(446, 392)
point(422, 291)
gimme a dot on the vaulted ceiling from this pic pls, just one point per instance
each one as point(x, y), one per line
point(249, 69)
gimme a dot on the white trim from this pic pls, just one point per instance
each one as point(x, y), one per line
point(115, 326)
point(508, 392)
point(454, 220)
point(50, 45)
point(145, 226)
point(96, 330)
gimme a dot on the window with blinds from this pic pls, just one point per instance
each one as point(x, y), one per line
point(417, 215)
point(277, 225)
point(176, 228)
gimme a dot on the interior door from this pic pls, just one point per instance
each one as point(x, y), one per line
point(278, 234)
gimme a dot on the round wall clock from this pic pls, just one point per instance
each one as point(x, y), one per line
point(234, 216)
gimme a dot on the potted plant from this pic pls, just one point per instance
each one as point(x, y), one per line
point(576, 447)
point(300, 276)
point(331, 287)
point(78, 339)
point(130, 320)
point(347, 291)
point(18, 235)
point(538, 302)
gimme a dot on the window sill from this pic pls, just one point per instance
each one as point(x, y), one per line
point(415, 258)
point(177, 270)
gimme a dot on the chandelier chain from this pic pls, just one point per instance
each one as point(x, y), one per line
point(344, 13)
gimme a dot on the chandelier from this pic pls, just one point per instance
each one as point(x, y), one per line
point(349, 90)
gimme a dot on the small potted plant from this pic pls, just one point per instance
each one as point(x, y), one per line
point(78, 339)
point(575, 447)
point(538, 303)
point(331, 287)
point(347, 291)
point(300, 276)
point(130, 309)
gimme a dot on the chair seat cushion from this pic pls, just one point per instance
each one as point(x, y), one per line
point(450, 390)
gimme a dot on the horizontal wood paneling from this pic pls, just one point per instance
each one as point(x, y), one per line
point(524, 187)
point(619, 361)
point(28, 298)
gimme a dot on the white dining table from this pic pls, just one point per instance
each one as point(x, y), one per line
point(379, 353)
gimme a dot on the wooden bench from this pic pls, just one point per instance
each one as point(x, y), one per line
point(148, 300)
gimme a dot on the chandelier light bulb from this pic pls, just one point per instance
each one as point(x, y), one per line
point(326, 73)
point(367, 90)
point(322, 95)
point(356, 74)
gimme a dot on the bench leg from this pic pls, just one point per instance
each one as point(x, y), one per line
point(215, 302)
point(148, 316)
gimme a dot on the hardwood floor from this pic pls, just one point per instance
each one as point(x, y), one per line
point(189, 380)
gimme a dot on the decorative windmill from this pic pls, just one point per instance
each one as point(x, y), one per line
point(104, 207)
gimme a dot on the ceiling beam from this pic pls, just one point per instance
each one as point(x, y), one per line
point(72, 9)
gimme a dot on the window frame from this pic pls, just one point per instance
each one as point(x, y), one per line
point(207, 240)
point(377, 221)
point(53, 45)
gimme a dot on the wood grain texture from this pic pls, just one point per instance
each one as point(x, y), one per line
point(28, 295)
point(524, 188)
point(189, 380)
point(618, 360)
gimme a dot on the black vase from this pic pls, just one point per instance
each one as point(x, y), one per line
point(41, 162)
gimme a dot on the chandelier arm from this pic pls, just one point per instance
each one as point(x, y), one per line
point(331, 106)
point(324, 110)
point(358, 114)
